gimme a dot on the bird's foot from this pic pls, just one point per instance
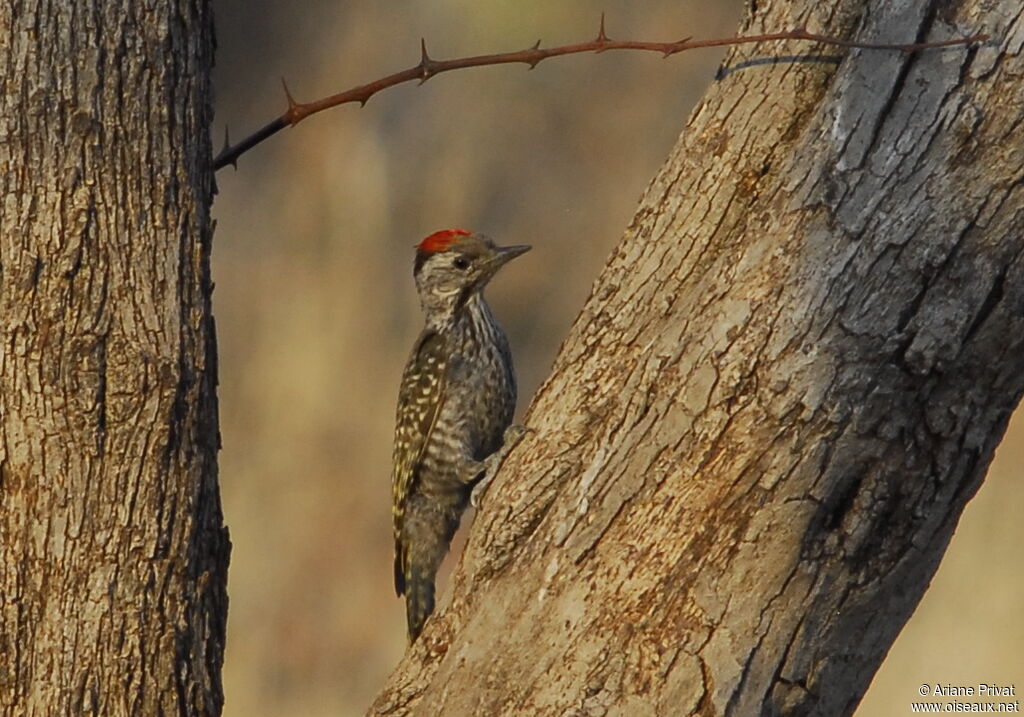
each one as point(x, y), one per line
point(513, 435)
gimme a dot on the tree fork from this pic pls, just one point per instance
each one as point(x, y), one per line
point(786, 384)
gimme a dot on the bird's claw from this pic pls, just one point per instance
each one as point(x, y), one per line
point(513, 435)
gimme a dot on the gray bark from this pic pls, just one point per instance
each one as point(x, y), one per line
point(112, 545)
point(787, 383)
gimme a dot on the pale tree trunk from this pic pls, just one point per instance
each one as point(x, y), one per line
point(112, 546)
point(787, 383)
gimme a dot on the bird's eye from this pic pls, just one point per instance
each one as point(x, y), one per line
point(460, 263)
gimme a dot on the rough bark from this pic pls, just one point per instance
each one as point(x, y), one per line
point(112, 545)
point(790, 378)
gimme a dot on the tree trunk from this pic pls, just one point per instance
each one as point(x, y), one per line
point(112, 544)
point(790, 378)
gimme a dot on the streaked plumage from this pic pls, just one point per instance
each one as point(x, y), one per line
point(457, 397)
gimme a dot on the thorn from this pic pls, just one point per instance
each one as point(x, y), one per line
point(293, 106)
point(675, 47)
point(426, 63)
point(227, 147)
point(535, 47)
point(601, 36)
point(291, 100)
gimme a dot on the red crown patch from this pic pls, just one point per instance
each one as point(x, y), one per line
point(439, 241)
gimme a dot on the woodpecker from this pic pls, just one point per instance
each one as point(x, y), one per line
point(455, 408)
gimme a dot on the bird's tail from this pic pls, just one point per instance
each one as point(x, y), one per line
point(419, 550)
point(415, 580)
point(419, 601)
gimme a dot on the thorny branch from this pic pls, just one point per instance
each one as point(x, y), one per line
point(428, 67)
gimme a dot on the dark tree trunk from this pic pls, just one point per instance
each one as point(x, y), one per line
point(112, 546)
point(787, 383)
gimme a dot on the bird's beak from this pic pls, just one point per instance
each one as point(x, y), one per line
point(508, 253)
point(502, 255)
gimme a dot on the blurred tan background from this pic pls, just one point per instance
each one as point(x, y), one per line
point(316, 308)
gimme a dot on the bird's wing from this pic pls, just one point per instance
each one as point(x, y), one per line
point(424, 384)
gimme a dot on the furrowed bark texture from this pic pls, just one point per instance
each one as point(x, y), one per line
point(788, 381)
point(112, 545)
